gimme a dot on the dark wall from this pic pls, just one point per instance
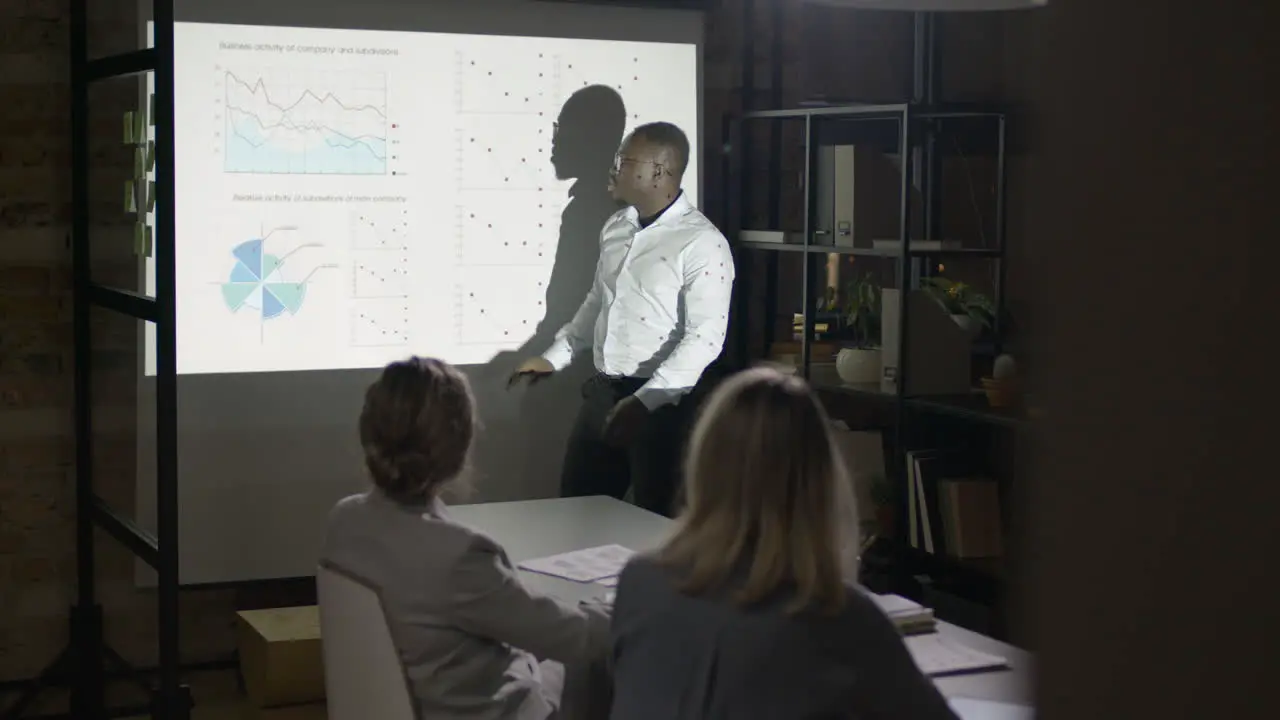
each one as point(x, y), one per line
point(1152, 212)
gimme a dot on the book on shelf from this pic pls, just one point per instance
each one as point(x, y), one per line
point(895, 245)
point(910, 617)
point(952, 510)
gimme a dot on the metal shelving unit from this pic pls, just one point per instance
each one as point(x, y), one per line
point(909, 119)
point(85, 659)
point(915, 127)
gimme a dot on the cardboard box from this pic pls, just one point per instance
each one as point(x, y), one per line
point(280, 656)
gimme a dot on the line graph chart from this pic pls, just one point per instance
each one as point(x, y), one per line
point(380, 323)
point(372, 231)
point(301, 122)
point(380, 275)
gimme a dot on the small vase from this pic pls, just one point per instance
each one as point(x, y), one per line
point(886, 518)
point(970, 326)
point(858, 366)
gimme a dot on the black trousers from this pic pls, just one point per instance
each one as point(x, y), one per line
point(651, 466)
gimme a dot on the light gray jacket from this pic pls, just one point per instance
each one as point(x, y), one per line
point(469, 633)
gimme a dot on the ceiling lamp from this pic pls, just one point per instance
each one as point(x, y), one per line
point(934, 5)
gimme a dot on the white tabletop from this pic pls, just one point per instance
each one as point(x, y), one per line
point(531, 529)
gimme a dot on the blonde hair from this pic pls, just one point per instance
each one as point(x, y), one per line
point(768, 498)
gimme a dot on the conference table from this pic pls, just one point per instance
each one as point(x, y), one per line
point(530, 529)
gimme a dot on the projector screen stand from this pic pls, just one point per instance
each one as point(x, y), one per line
point(149, 129)
point(82, 665)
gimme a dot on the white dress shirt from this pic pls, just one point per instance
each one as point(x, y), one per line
point(659, 304)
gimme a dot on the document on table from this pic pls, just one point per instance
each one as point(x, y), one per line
point(936, 655)
point(971, 709)
point(584, 566)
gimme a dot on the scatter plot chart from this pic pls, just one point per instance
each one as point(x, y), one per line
point(380, 231)
point(489, 83)
point(501, 310)
point(505, 153)
point(380, 323)
point(380, 275)
point(624, 76)
point(523, 231)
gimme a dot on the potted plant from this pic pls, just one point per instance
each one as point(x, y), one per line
point(882, 496)
point(971, 310)
point(858, 362)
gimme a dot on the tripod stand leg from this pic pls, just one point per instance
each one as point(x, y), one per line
point(175, 705)
point(47, 678)
point(88, 687)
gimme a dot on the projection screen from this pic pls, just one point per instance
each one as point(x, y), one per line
point(358, 182)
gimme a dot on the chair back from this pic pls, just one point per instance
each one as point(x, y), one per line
point(364, 678)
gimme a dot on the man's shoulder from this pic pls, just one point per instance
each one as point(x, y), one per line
point(619, 216)
point(700, 227)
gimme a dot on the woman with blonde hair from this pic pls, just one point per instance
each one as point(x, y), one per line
point(476, 644)
point(748, 611)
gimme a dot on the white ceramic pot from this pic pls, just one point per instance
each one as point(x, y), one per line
point(970, 326)
point(857, 366)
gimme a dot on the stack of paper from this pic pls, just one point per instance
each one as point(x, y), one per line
point(910, 617)
point(972, 709)
point(936, 655)
point(598, 564)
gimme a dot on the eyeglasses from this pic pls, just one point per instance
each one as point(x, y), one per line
point(620, 160)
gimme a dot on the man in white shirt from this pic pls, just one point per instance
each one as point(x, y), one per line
point(654, 319)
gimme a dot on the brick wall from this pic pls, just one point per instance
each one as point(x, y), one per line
point(37, 552)
point(841, 54)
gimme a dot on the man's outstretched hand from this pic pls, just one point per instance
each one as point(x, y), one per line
point(533, 370)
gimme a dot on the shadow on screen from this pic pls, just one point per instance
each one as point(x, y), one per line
point(588, 131)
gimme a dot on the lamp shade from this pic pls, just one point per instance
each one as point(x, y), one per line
point(934, 5)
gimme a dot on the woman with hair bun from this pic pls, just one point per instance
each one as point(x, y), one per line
point(475, 642)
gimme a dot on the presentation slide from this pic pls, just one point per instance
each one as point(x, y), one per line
point(433, 183)
point(346, 198)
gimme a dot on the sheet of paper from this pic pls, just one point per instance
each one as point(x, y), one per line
point(936, 655)
point(971, 709)
point(896, 604)
point(583, 566)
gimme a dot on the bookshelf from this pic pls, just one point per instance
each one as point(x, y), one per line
point(784, 310)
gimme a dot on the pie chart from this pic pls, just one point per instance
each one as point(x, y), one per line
point(257, 285)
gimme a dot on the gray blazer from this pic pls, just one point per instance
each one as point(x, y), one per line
point(682, 658)
point(469, 633)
